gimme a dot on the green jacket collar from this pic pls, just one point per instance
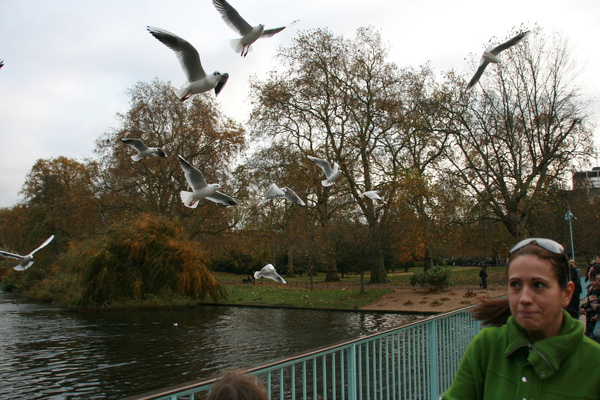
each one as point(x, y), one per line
point(547, 354)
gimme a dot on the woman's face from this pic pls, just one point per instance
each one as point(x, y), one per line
point(535, 297)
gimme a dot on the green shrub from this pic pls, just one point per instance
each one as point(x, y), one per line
point(434, 279)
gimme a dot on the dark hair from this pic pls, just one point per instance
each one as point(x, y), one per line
point(236, 386)
point(496, 312)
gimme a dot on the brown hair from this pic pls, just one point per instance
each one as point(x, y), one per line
point(236, 386)
point(496, 312)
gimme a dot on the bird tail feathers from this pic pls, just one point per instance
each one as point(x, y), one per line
point(136, 157)
point(183, 94)
point(326, 183)
point(188, 199)
point(238, 46)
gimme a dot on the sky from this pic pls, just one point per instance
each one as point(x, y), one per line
point(69, 63)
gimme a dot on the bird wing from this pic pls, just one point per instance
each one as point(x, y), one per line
point(270, 32)
point(322, 163)
point(221, 83)
point(510, 42)
point(293, 197)
point(135, 143)
point(11, 255)
point(222, 198)
point(477, 75)
point(186, 53)
point(231, 17)
point(272, 192)
point(43, 245)
point(193, 176)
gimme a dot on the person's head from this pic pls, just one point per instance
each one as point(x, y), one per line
point(596, 283)
point(572, 263)
point(236, 386)
point(539, 286)
point(597, 259)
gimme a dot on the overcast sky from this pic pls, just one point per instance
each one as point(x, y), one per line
point(69, 63)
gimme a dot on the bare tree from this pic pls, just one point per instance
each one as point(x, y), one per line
point(521, 132)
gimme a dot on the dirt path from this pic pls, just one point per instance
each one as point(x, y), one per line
point(411, 300)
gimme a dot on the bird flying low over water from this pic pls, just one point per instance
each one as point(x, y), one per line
point(490, 55)
point(268, 271)
point(373, 195)
point(143, 150)
point(201, 190)
point(26, 261)
point(330, 173)
point(250, 34)
point(198, 80)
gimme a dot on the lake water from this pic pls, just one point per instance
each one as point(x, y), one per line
point(50, 353)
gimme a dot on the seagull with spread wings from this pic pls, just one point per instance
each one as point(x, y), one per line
point(490, 55)
point(143, 151)
point(250, 34)
point(268, 271)
point(198, 80)
point(201, 190)
point(26, 261)
point(331, 174)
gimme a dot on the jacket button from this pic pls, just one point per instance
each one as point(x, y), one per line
point(524, 379)
point(543, 374)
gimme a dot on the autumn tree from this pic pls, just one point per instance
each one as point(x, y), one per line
point(520, 131)
point(339, 99)
point(196, 130)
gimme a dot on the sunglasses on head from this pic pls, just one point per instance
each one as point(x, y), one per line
point(547, 244)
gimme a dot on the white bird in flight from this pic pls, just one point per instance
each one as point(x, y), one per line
point(249, 33)
point(268, 271)
point(330, 173)
point(201, 190)
point(490, 55)
point(26, 261)
point(273, 192)
point(373, 195)
point(198, 80)
point(143, 150)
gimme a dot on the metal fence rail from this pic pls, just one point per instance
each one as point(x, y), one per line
point(416, 361)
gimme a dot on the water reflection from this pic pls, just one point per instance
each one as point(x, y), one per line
point(46, 352)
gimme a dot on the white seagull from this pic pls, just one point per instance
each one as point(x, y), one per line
point(143, 150)
point(249, 33)
point(293, 197)
point(268, 271)
point(373, 195)
point(490, 55)
point(198, 81)
point(201, 190)
point(330, 173)
point(272, 193)
point(25, 260)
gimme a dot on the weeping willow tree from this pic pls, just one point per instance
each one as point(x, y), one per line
point(142, 259)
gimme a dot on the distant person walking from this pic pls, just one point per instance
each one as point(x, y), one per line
point(483, 276)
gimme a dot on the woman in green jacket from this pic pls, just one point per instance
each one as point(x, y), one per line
point(536, 350)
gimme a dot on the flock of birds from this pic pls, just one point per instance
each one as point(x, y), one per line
point(199, 82)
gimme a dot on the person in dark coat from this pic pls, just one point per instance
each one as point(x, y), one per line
point(483, 276)
point(573, 307)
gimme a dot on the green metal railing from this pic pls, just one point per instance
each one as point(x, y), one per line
point(416, 361)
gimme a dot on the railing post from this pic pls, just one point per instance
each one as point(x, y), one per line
point(432, 345)
point(351, 379)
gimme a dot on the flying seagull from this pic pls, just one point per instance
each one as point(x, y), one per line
point(273, 192)
point(1, 63)
point(25, 260)
point(373, 195)
point(293, 197)
point(249, 33)
point(201, 190)
point(198, 81)
point(491, 56)
point(268, 271)
point(143, 150)
point(330, 173)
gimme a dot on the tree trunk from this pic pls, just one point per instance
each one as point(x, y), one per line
point(331, 275)
point(378, 273)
